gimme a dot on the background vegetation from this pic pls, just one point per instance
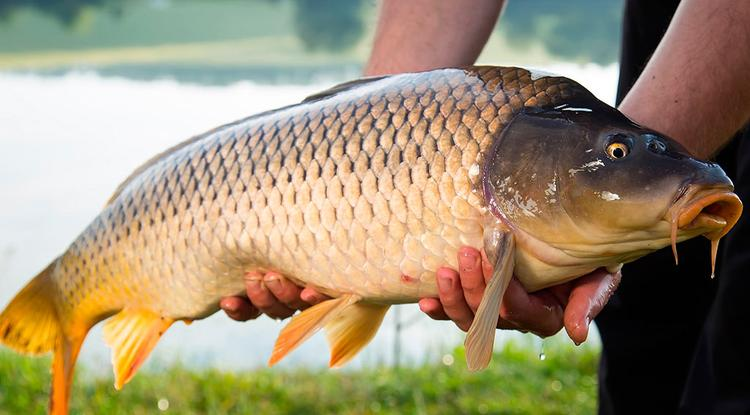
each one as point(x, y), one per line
point(225, 41)
point(517, 382)
point(222, 42)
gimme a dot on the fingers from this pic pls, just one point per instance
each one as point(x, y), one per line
point(588, 297)
point(270, 294)
point(312, 297)
point(572, 305)
point(471, 276)
point(433, 308)
point(284, 290)
point(452, 298)
point(239, 308)
point(459, 293)
point(539, 312)
point(263, 298)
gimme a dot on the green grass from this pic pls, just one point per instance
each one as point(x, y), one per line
point(517, 382)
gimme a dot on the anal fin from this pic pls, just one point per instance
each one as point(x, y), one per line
point(351, 331)
point(132, 335)
point(306, 323)
point(480, 339)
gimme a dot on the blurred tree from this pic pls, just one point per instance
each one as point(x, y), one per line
point(67, 12)
point(332, 25)
point(580, 30)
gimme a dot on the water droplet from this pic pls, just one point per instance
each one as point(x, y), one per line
point(448, 359)
point(163, 404)
point(542, 356)
point(556, 385)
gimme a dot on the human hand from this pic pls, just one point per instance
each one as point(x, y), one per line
point(571, 305)
point(269, 294)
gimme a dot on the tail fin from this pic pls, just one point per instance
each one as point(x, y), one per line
point(30, 324)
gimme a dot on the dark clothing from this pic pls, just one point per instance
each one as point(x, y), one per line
point(674, 341)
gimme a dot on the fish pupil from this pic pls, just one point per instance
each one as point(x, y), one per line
point(618, 153)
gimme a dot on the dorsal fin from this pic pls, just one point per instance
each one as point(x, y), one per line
point(150, 162)
point(153, 160)
point(346, 86)
point(336, 89)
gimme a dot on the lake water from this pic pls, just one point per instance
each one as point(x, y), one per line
point(66, 141)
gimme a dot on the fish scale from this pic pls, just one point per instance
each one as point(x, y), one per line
point(363, 192)
point(345, 193)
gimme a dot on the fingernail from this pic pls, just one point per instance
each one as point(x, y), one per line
point(228, 306)
point(468, 261)
point(253, 284)
point(306, 297)
point(445, 283)
point(272, 282)
point(586, 324)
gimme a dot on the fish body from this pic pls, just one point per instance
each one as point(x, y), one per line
point(363, 192)
point(346, 192)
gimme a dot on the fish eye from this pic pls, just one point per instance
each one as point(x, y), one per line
point(617, 150)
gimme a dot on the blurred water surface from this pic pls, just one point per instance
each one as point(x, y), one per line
point(90, 89)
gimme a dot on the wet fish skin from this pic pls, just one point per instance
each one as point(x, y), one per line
point(363, 192)
point(346, 193)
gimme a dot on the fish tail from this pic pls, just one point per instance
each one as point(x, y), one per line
point(30, 324)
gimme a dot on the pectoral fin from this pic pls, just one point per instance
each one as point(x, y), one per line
point(351, 331)
point(132, 334)
point(306, 323)
point(481, 336)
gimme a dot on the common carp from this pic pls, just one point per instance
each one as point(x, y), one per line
point(364, 191)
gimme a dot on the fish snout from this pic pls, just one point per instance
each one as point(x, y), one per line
point(713, 211)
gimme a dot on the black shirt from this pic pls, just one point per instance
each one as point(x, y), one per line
point(674, 341)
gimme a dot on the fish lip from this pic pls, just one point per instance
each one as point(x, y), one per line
point(714, 209)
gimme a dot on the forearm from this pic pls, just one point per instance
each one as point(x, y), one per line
point(696, 87)
point(416, 35)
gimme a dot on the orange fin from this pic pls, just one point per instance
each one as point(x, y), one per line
point(132, 334)
point(63, 365)
point(306, 323)
point(29, 324)
point(480, 339)
point(351, 331)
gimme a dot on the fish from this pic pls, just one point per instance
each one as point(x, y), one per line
point(363, 191)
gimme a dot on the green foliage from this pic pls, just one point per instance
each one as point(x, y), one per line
point(332, 25)
point(583, 30)
point(517, 382)
point(66, 12)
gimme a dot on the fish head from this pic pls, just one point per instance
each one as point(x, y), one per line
point(583, 186)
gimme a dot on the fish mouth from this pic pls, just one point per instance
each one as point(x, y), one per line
point(714, 212)
point(708, 212)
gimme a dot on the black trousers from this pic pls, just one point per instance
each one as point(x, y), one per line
point(675, 341)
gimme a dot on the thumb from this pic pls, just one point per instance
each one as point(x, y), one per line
point(588, 297)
